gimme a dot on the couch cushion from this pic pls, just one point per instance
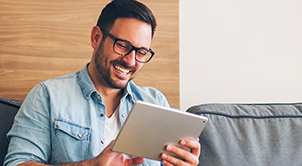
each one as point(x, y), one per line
point(8, 110)
point(251, 134)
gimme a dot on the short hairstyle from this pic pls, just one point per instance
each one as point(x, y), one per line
point(126, 9)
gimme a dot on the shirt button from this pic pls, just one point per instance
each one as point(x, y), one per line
point(80, 135)
point(102, 115)
point(98, 97)
point(123, 115)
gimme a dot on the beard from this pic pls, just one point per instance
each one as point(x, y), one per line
point(103, 68)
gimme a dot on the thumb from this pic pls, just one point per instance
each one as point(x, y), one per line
point(135, 161)
point(107, 148)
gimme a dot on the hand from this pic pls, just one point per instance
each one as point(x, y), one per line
point(109, 158)
point(190, 158)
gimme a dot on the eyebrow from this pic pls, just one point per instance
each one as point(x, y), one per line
point(115, 38)
point(130, 43)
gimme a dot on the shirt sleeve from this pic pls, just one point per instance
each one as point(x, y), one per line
point(162, 100)
point(29, 137)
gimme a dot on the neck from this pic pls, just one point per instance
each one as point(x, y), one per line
point(112, 101)
point(111, 96)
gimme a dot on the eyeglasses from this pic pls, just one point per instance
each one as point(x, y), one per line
point(123, 48)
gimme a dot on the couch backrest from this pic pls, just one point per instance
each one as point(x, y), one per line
point(8, 110)
point(251, 134)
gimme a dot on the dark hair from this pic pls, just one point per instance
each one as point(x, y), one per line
point(126, 9)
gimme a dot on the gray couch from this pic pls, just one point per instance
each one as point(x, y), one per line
point(251, 134)
point(236, 134)
point(8, 110)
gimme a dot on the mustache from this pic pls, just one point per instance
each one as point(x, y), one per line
point(124, 65)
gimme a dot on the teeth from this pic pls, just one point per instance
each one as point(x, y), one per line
point(122, 70)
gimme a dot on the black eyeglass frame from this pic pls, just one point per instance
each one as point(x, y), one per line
point(133, 47)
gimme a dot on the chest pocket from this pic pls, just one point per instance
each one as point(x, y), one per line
point(70, 142)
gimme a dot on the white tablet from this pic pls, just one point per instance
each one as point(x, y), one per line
point(149, 128)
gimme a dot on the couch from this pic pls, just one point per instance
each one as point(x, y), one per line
point(251, 134)
point(236, 134)
point(8, 110)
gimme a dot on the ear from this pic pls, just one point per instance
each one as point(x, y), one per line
point(96, 37)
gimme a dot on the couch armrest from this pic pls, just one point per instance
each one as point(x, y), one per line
point(8, 110)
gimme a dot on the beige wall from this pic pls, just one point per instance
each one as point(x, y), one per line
point(248, 51)
point(42, 39)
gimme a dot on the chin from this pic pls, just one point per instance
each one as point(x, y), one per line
point(118, 84)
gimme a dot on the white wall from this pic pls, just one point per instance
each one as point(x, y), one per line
point(234, 51)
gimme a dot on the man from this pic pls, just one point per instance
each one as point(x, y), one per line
point(73, 119)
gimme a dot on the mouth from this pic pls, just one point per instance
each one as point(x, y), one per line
point(121, 69)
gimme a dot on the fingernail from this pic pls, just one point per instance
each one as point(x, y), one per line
point(183, 142)
point(169, 148)
point(164, 156)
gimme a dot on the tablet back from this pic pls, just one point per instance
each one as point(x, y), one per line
point(149, 128)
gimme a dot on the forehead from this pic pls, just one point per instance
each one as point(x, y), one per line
point(138, 33)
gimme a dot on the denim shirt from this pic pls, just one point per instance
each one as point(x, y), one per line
point(62, 120)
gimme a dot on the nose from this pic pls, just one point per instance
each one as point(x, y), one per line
point(130, 58)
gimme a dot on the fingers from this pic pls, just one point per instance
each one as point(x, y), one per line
point(190, 157)
point(169, 160)
point(194, 145)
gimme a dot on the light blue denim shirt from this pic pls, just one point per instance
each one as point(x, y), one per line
point(61, 120)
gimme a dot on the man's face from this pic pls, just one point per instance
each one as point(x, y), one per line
point(116, 70)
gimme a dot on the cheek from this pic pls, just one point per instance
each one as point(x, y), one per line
point(103, 57)
point(139, 67)
point(99, 56)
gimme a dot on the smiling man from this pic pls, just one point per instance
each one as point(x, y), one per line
point(73, 119)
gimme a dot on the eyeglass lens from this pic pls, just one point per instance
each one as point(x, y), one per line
point(123, 48)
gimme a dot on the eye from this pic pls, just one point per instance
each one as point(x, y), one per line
point(142, 52)
point(123, 45)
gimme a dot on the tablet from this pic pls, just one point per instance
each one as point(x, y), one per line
point(149, 128)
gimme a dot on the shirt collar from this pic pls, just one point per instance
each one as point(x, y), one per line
point(128, 91)
point(88, 87)
point(86, 83)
